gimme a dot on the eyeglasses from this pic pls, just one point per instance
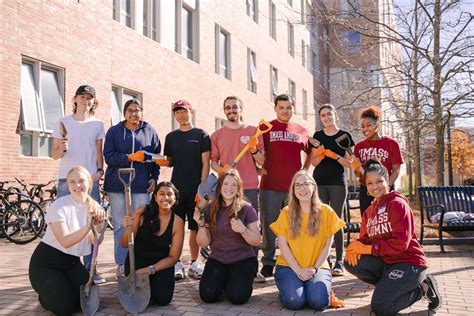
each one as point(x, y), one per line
point(136, 111)
point(305, 185)
point(234, 107)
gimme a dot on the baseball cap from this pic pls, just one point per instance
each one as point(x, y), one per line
point(85, 89)
point(181, 104)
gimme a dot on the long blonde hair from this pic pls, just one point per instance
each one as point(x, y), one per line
point(91, 204)
point(218, 201)
point(294, 207)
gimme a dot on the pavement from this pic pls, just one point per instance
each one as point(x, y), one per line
point(454, 272)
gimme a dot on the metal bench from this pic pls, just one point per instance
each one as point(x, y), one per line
point(444, 199)
point(351, 227)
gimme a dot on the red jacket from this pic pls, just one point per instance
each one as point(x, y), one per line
point(389, 227)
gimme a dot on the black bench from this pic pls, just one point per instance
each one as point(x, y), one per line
point(444, 199)
point(351, 227)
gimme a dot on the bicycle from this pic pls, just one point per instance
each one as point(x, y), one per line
point(22, 221)
point(104, 202)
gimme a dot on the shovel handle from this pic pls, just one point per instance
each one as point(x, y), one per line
point(128, 205)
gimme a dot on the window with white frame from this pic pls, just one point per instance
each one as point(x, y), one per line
point(291, 39)
point(314, 60)
point(42, 105)
point(252, 9)
point(303, 53)
point(292, 88)
point(273, 83)
point(187, 33)
point(349, 8)
point(150, 12)
point(272, 19)
point(124, 14)
point(373, 75)
point(303, 13)
point(352, 41)
point(252, 71)
point(223, 52)
point(118, 99)
point(351, 79)
point(305, 105)
point(326, 38)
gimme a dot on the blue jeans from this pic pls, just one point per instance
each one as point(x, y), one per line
point(117, 207)
point(63, 190)
point(294, 293)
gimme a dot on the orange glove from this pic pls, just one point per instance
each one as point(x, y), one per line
point(355, 164)
point(138, 156)
point(320, 152)
point(329, 153)
point(253, 141)
point(355, 250)
point(162, 162)
point(334, 301)
point(223, 169)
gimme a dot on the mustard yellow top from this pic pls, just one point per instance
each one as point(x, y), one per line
point(304, 247)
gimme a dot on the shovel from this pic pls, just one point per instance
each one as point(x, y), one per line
point(343, 142)
point(134, 290)
point(89, 293)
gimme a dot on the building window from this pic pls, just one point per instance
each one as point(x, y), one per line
point(150, 12)
point(272, 20)
point(118, 98)
point(303, 53)
point(219, 122)
point(314, 60)
point(187, 32)
point(223, 52)
point(326, 38)
point(305, 105)
point(325, 76)
point(291, 39)
point(303, 13)
point(252, 9)
point(349, 8)
point(252, 71)
point(42, 105)
point(292, 88)
point(352, 41)
point(273, 83)
point(123, 12)
point(373, 75)
point(351, 79)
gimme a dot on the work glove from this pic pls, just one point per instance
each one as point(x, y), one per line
point(138, 156)
point(329, 153)
point(355, 250)
point(162, 162)
point(253, 141)
point(355, 164)
point(320, 152)
point(334, 302)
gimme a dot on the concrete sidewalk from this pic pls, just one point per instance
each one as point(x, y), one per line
point(453, 270)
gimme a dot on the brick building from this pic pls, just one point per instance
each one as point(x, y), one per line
point(157, 51)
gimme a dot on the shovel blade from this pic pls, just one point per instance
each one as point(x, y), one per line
point(90, 303)
point(134, 292)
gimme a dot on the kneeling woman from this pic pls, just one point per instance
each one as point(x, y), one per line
point(387, 253)
point(56, 272)
point(230, 228)
point(159, 236)
point(305, 230)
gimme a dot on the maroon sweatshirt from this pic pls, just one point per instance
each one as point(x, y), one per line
point(389, 227)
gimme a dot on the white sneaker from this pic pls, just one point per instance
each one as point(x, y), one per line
point(98, 279)
point(195, 270)
point(179, 271)
point(259, 278)
point(120, 271)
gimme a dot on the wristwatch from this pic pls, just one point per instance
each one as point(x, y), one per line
point(152, 269)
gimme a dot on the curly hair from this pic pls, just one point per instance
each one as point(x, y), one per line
point(372, 112)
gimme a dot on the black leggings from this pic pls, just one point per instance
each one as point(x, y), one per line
point(57, 278)
point(235, 279)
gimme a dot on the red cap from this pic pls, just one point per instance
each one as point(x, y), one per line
point(184, 104)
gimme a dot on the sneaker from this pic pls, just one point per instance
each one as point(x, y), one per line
point(432, 294)
point(195, 270)
point(259, 278)
point(267, 271)
point(179, 271)
point(98, 279)
point(120, 271)
point(338, 269)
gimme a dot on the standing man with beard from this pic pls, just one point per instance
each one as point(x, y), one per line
point(188, 149)
point(228, 141)
point(283, 147)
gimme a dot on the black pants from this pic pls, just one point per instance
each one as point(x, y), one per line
point(396, 287)
point(235, 280)
point(57, 278)
point(365, 199)
point(161, 283)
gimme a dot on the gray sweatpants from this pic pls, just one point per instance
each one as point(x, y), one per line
point(396, 287)
point(271, 203)
point(335, 196)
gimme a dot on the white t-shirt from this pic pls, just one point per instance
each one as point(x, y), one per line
point(82, 137)
point(74, 214)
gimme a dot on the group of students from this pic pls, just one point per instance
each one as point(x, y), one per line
point(302, 212)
